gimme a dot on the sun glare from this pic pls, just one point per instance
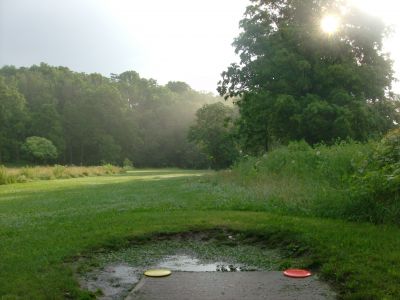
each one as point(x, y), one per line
point(330, 24)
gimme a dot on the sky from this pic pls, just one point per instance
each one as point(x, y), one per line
point(181, 40)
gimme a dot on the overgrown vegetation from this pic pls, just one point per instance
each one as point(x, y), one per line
point(26, 174)
point(349, 180)
point(375, 190)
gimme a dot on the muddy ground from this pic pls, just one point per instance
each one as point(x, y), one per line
point(208, 265)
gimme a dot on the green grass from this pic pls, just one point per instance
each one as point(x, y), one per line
point(45, 225)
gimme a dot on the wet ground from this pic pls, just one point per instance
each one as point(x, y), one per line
point(204, 266)
point(115, 281)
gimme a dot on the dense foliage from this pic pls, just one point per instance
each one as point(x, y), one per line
point(347, 180)
point(92, 119)
point(38, 149)
point(297, 82)
point(213, 133)
point(376, 186)
point(13, 119)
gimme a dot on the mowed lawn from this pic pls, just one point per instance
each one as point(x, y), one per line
point(45, 224)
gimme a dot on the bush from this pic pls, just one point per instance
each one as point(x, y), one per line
point(3, 175)
point(110, 169)
point(376, 186)
point(335, 164)
point(128, 165)
point(28, 172)
point(348, 180)
point(300, 179)
point(39, 149)
point(6, 177)
point(59, 171)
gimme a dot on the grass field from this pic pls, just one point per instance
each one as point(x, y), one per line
point(44, 225)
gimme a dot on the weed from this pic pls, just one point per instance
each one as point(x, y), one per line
point(26, 174)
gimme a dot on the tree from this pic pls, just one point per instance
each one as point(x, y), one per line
point(109, 151)
point(39, 149)
point(37, 86)
point(213, 133)
point(178, 86)
point(296, 82)
point(13, 118)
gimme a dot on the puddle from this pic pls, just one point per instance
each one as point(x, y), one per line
point(115, 281)
point(114, 274)
point(187, 263)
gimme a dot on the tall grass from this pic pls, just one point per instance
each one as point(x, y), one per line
point(321, 181)
point(25, 174)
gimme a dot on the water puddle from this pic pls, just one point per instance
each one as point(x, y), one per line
point(188, 263)
point(114, 281)
point(114, 274)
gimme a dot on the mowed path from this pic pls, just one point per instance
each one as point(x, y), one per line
point(46, 224)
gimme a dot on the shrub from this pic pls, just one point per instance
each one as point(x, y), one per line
point(39, 149)
point(300, 179)
point(59, 171)
point(376, 186)
point(109, 169)
point(22, 178)
point(3, 175)
point(127, 164)
point(28, 172)
point(6, 177)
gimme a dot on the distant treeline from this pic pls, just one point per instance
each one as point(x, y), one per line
point(92, 119)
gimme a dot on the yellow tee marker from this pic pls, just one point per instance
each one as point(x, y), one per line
point(157, 273)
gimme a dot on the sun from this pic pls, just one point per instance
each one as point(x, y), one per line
point(330, 24)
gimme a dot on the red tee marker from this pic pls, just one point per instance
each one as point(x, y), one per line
point(296, 273)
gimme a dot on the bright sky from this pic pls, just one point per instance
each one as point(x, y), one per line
point(187, 40)
point(388, 10)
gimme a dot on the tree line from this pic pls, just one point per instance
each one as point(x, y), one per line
point(294, 82)
point(91, 119)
